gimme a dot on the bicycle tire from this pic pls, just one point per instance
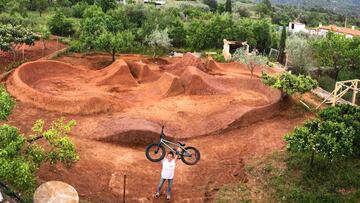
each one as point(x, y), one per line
point(162, 151)
point(197, 156)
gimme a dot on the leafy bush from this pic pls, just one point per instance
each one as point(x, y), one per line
point(60, 25)
point(327, 83)
point(20, 157)
point(336, 134)
point(6, 104)
point(78, 9)
point(288, 83)
point(219, 57)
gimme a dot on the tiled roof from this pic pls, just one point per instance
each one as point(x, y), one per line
point(343, 30)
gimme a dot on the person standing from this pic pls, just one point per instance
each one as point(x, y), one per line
point(167, 173)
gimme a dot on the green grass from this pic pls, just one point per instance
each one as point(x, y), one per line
point(288, 177)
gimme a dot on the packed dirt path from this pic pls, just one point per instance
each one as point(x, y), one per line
point(229, 117)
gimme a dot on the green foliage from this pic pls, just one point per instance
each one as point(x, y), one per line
point(106, 5)
point(228, 6)
point(13, 36)
point(60, 25)
point(251, 60)
point(299, 53)
point(288, 83)
point(332, 51)
point(79, 8)
point(114, 42)
point(20, 157)
point(40, 5)
point(282, 45)
point(243, 12)
point(6, 104)
point(335, 134)
point(219, 57)
point(159, 39)
point(212, 4)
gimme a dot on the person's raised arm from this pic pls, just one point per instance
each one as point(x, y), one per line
point(178, 151)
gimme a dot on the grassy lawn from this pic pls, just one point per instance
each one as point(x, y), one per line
point(288, 177)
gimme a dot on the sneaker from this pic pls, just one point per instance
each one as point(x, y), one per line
point(168, 197)
point(157, 195)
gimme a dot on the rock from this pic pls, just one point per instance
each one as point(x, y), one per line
point(55, 191)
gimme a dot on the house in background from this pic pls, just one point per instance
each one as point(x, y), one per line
point(297, 27)
point(348, 32)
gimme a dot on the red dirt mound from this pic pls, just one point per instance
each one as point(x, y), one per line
point(142, 72)
point(118, 73)
point(188, 59)
point(167, 85)
point(197, 82)
point(39, 83)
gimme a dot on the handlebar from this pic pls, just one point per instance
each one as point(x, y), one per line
point(162, 132)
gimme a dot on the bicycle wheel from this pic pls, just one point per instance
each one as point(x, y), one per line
point(154, 152)
point(190, 156)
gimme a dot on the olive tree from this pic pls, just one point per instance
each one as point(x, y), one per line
point(251, 60)
point(159, 39)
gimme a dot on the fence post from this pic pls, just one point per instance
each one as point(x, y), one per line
point(124, 192)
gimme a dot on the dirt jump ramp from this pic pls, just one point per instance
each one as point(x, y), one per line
point(196, 82)
point(167, 85)
point(142, 72)
point(118, 73)
point(188, 59)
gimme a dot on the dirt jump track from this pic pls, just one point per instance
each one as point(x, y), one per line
point(119, 109)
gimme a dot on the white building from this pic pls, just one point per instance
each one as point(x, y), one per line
point(297, 27)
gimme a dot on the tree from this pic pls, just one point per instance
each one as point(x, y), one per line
point(251, 60)
point(288, 83)
point(106, 5)
point(60, 25)
point(228, 6)
point(282, 45)
point(41, 5)
point(44, 36)
point(264, 8)
point(115, 42)
point(335, 134)
point(212, 4)
point(21, 156)
point(6, 103)
point(243, 12)
point(11, 37)
point(299, 53)
point(332, 51)
point(159, 39)
point(79, 8)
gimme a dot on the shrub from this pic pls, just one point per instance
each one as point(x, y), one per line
point(60, 25)
point(6, 104)
point(288, 83)
point(327, 83)
point(78, 9)
point(219, 57)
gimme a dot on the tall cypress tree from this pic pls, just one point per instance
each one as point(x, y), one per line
point(228, 6)
point(282, 45)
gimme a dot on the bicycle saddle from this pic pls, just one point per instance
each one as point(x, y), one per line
point(181, 144)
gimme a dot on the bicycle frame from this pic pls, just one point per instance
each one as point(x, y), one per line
point(167, 143)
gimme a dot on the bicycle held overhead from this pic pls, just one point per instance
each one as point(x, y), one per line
point(156, 152)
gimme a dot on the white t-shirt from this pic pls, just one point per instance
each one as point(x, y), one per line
point(168, 168)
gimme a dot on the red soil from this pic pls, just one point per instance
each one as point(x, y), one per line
point(31, 53)
point(230, 118)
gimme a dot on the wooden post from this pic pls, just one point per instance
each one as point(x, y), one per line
point(124, 188)
point(335, 93)
point(354, 93)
